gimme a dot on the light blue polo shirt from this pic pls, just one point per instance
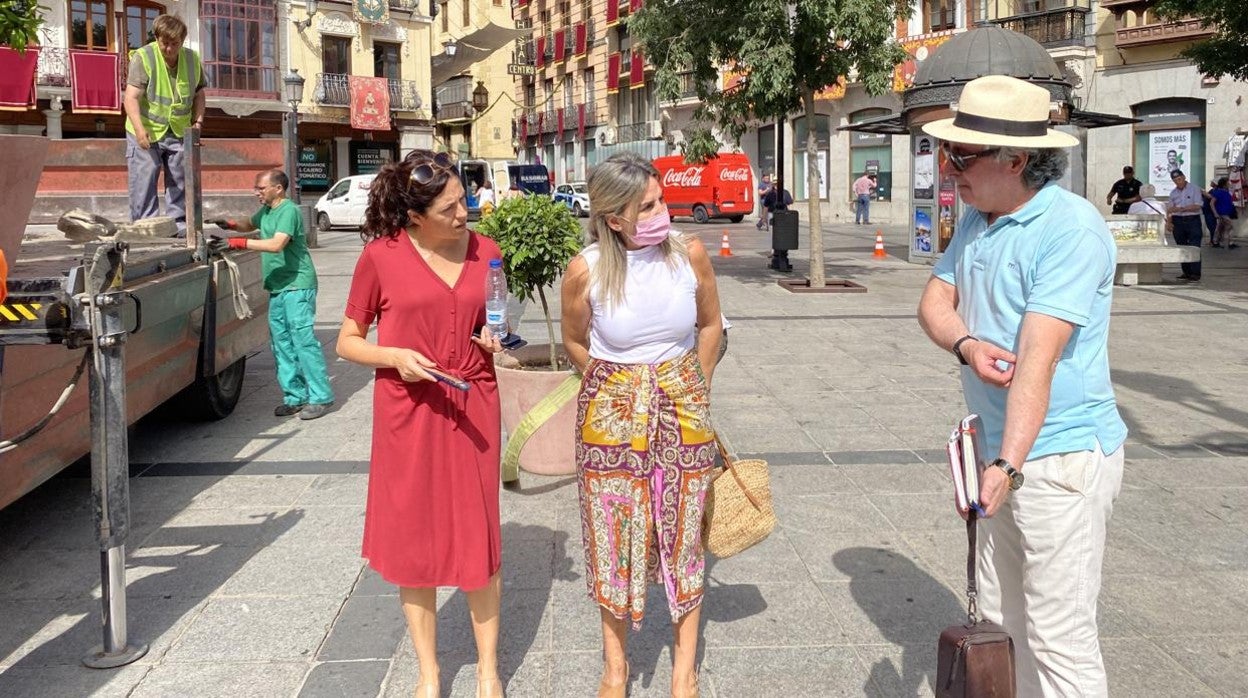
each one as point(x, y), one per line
point(1053, 256)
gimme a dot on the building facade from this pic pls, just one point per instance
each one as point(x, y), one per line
point(473, 46)
point(248, 47)
point(589, 94)
point(1187, 119)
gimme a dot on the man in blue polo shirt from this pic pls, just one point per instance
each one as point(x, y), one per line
point(1022, 299)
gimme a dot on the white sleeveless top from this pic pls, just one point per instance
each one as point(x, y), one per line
point(655, 321)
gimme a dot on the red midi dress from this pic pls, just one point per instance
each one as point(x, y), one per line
point(433, 485)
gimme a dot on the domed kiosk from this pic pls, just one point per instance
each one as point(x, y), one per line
point(987, 50)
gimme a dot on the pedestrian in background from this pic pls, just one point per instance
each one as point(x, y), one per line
point(1148, 205)
point(164, 96)
point(432, 518)
point(1184, 208)
point(644, 442)
point(864, 189)
point(290, 279)
point(1022, 298)
point(1224, 209)
point(764, 216)
point(1127, 191)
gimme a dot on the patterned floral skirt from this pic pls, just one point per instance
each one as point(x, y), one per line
point(644, 451)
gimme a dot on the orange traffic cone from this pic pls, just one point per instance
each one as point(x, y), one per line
point(879, 252)
point(725, 249)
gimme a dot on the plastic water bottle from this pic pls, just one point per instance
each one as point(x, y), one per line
point(496, 299)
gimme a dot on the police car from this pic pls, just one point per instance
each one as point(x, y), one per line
point(575, 196)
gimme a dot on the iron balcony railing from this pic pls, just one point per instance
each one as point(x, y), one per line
point(1051, 28)
point(332, 89)
point(53, 67)
point(640, 131)
point(405, 96)
point(689, 86)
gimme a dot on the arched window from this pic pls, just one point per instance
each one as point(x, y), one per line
point(1170, 136)
point(871, 152)
point(139, 17)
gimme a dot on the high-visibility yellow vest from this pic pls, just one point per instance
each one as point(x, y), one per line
point(167, 106)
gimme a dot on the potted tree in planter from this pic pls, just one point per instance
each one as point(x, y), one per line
point(20, 22)
point(538, 237)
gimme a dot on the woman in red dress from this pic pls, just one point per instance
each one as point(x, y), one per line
point(433, 486)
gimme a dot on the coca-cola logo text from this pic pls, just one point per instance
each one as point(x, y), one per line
point(690, 177)
point(740, 174)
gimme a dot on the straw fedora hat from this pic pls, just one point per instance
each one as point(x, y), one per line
point(998, 110)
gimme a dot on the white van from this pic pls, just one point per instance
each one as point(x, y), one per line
point(344, 204)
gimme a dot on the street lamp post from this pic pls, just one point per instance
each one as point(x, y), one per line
point(293, 84)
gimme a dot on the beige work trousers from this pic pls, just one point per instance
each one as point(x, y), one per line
point(1039, 570)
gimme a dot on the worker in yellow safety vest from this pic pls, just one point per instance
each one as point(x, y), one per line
point(164, 96)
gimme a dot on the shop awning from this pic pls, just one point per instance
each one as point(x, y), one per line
point(473, 48)
point(1092, 119)
point(894, 124)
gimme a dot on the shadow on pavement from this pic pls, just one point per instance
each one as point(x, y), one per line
point(1180, 392)
point(908, 606)
point(52, 580)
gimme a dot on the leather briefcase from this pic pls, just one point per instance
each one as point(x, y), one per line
point(975, 659)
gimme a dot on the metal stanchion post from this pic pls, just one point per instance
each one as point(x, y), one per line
point(110, 458)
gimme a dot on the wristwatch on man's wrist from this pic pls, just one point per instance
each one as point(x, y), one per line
point(957, 349)
point(1015, 475)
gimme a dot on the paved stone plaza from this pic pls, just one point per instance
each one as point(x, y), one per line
point(245, 575)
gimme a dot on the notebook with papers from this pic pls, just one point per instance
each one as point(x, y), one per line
point(966, 464)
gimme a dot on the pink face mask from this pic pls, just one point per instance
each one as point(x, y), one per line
point(653, 230)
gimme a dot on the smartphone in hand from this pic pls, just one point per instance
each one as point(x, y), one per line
point(510, 341)
point(450, 380)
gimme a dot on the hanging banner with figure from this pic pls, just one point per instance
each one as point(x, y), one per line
point(370, 103)
point(372, 11)
point(1168, 151)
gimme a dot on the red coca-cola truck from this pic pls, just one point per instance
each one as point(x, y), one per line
point(722, 187)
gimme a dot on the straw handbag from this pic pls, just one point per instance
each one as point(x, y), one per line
point(738, 506)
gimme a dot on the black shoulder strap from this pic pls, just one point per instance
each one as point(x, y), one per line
point(972, 605)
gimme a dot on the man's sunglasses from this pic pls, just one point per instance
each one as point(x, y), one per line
point(424, 173)
point(962, 161)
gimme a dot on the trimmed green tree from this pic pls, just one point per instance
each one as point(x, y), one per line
point(1226, 52)
point(786, 54)
point(20, 22)
point(538, 237)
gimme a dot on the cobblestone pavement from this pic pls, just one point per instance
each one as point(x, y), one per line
point(244, 568)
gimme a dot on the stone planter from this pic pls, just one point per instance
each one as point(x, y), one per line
point(19, 179)
point(551, 449)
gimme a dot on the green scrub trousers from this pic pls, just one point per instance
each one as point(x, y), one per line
point(301, 368)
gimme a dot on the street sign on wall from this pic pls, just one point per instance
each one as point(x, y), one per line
point(521, 69)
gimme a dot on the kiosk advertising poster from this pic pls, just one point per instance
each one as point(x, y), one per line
point(923, 229)
point(947, 200)
point(1167, 151)
point(924, 168)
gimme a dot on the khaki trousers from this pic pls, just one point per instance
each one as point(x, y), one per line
point(1039, 570)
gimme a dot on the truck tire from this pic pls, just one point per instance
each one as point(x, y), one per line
point(322, 222)
point(736, 219)
point(212, 398)
point(700, 215)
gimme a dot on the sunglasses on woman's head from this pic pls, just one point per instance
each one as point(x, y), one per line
point(961, 161)
point(424, 173)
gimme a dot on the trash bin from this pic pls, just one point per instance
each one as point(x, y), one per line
point(308, 214)
point(784, 230)
point(783, 239)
